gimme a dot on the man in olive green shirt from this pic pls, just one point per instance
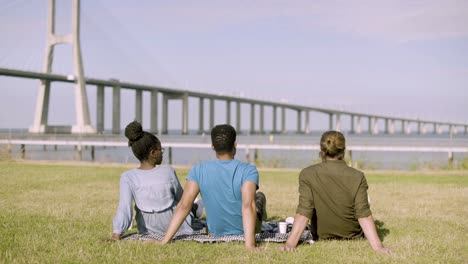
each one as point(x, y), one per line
point(334, 197)
point(337, 194)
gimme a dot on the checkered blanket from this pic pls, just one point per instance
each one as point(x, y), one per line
point(202, 237)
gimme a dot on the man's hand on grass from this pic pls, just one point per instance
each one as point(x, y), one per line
point(287, 248)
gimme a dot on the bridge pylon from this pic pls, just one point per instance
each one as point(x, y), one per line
point(83, 124)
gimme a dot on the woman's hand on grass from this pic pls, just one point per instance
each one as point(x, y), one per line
point(115, 237)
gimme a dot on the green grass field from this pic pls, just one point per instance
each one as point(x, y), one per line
point(63, 214)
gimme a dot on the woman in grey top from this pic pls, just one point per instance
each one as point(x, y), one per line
point(155, 189)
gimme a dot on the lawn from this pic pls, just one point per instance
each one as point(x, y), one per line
point(63, 213)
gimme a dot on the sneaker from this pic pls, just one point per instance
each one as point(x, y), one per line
point(194, 210)
point(198, 207)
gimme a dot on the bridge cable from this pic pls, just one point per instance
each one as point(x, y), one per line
point(136, 45)
point(14, 49)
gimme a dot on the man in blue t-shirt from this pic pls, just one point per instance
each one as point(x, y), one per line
point(228, 188)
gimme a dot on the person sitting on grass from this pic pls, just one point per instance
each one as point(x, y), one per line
point(334, 196)
point(228, 188)
point(155, 189)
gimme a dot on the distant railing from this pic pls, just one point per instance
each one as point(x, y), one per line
point(79, 144)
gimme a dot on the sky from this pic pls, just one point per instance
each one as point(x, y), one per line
point(399, 58)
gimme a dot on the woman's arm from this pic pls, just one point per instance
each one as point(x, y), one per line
point(300, 223)
point(182, 210)
point(123, 217)
point(368, 226)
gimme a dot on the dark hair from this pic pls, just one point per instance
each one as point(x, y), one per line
point(141, 141)
point(333, 144)
point(223, 138)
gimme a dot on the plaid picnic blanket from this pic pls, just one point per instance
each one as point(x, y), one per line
point(202, 237)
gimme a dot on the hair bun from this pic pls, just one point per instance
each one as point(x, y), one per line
point(333, 144)
point(133, 131)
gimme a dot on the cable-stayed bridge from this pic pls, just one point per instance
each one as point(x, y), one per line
point(359, 122)
point(303, 126)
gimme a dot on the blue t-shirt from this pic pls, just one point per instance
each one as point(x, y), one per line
point(220, 183)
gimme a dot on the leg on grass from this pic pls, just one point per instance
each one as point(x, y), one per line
point(260, 204)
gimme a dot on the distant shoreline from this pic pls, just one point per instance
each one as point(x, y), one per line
point(133, 165)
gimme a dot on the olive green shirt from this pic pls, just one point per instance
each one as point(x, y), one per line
point(334, 196)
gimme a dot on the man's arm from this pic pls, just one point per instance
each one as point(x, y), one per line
point(303, 213)
point(368, 226)
point(182, 210)
point(300, 223)
point(249, 215)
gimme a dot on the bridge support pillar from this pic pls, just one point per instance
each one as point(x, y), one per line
point(358, 124)
point(375, 126)
point(352, 125)
point(369, 125)
point(262, 118)
point(238, 117)
point(212, 113)
point(139, 106)
point(185, 114)
point(228, 112)
point(165, 113)
point(408, 128)
point(283, 120)
point(201, 114)
point(100, 109)
point(274, 120)
point(299, 122)
point(338, 122)
point(330, 121)
point(386, 126)
point(423, 128)
point(153, 112)
point(42, 107)
point(252, 118)
point(439, 129)
point(83, 124)
point(307, 122)
point(116, 109)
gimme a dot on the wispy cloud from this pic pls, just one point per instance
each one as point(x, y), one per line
point(402, 20)
point(393, 20)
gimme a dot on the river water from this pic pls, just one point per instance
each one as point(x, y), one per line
point(264, 158)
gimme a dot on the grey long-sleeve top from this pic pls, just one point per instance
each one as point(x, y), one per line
point(156, 193)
